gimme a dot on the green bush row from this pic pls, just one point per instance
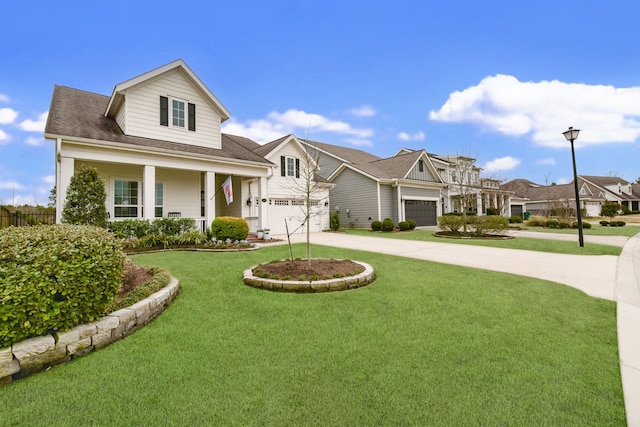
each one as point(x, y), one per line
point(388, 225)
point(55, 277)
point(479, 224)
point(137, 228)
point(612, 223)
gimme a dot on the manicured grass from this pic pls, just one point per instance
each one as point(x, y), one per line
point(595, 230)
point(529, 244)
point(426, 344)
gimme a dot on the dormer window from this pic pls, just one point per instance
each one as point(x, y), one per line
point(183, 114)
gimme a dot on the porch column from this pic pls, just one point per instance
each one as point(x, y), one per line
point(66, 170)
point(209, 200)
point(149, 191)
point(507, 204)
point(263, 207)
point(479, 203)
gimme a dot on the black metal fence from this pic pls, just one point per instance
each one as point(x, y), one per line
point(22, 219)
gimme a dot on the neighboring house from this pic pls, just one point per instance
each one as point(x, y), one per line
point(367, 188)
point(157, 143)
point(593, 191)
point(616, 189)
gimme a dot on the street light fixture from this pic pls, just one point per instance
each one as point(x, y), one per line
point(572, 134)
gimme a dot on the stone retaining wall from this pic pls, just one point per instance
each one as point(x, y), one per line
point(329, 285)
point(37, 354)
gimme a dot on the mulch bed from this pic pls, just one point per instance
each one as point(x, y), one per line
point(319, 268)
point(459, 235)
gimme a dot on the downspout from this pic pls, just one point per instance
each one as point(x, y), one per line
point(379, 201)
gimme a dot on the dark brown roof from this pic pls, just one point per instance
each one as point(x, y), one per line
point(351, 155)
point(265, 149)
point(78, 114)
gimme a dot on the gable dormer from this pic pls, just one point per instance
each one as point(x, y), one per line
point(169, 103)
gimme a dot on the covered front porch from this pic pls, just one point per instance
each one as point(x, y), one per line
point(151, 191)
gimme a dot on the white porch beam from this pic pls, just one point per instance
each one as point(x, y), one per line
point(263, 207)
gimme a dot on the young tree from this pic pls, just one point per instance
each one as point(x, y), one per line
point(610, 209)
point(307, 189)
point(86, 197)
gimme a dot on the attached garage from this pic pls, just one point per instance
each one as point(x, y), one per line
point(423, 212)
point(290, 213)
point(516, 210)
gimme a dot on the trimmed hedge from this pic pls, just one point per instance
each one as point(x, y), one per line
point(515, 219)
point(229, 227)
point(584, 225)
point(404, 226)
point(53, 278)
point(387, 225)
point(376, 225)
point(138, 228)
point(452, 223)
point(412, 224)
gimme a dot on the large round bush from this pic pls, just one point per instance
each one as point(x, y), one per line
point(53, 278)
point(230, 227)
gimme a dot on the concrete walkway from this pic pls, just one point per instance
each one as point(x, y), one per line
point(602, 276)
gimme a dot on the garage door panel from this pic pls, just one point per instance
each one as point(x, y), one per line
point(423, 212)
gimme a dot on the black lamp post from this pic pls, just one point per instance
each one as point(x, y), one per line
point(572, 134)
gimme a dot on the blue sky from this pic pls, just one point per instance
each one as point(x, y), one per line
point(495, 80)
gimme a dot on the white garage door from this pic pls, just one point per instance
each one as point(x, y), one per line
point(292, 212)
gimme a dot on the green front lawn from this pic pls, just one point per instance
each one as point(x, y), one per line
point(426, 344)
point(524, 243)
point(595, 230)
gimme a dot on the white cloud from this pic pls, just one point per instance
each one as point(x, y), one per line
point(501, 164)
point(4, 137)
point(4, 98)
point(545, 109)
point(363, 111)
point(35, 125)
point(418, 136)
point(550, 161)
point(49, 179)
point(7, 115)
point(277, 124)
point(34, 141)
point(564, 181)
point(10, 185)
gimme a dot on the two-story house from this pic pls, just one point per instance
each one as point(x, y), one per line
point(157, 143)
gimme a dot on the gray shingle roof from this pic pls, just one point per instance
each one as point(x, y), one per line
point(80, 114)
point(351, 155)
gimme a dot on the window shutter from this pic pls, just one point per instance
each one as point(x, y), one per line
point(297, 168)
point(192, 117)
point(164, 111)
point(283, 166)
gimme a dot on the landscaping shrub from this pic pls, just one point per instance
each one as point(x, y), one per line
point(536, 221)
point(130, 228)
point(404, 226)
point(85, 199)
point(490, 224)
point(562, 224)
point(229, 227)
point(387, 225)
point(164, 241)
point(552, 223)
point(334, 221)
point(492, 211)
point(610, 208)
point(515, 219)
point(584, 225)
point(451, 223)
point(621, 223)
point(53, 278)
point(412, 224)
point(376, 225)
point(604, 223)
point(172, 226)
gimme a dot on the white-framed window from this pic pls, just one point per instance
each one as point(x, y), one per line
point(289, 166)
point(126, 199)
point(159, 199)
point(177, 113)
